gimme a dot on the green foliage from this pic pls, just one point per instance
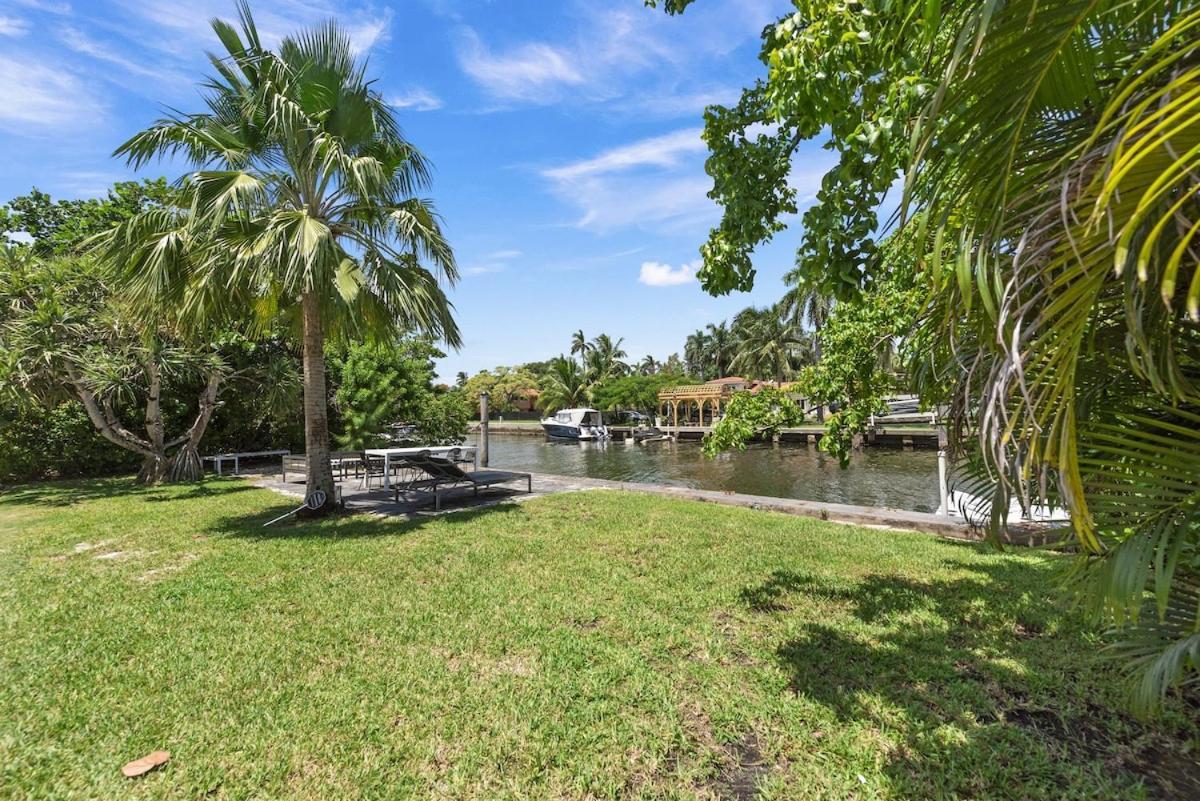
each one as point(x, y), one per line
point(564, 386)
point(61, 227)
point(379, 386)
point(442, 419)
point(303, 185)
point(303, 205)
point(505, 387)
point(65, 333)
point(750, 416)
point(855, 73)
point(602, 359)
point(1050, 159)
point(768, 345)
point(39, 442)
point(634, 392)
point(856, 370)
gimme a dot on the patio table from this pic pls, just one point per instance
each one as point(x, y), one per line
point(468, 452)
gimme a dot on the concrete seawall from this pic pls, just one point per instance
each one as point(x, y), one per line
point(870, 516)
point(880, 436)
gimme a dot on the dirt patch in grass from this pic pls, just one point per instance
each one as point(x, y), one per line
point(1167, 772)
point(486, 667)
point(743, 768)
point(166, 570)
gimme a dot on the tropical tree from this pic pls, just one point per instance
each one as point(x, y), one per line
point(719, 348)
point(807, 305)
point(565, 386)
point(768, 345)
point(604, 358)
point(695, 353)
point(1050, 153)
point(60, 227)
point(65, 334)
point(649, 365)
point(302, 207)
point(633, 392)
point(505, 387)
point(380, 385)
point(580, 345)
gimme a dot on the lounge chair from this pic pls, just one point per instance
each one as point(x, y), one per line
point(444, 474)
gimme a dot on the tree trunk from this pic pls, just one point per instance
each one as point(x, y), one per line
point(156, 467)
point(186, 464)
point(316, 418)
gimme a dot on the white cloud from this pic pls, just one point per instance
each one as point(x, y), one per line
point(275, 19)
point(416, 99)
point(34, 94)
point(527, 72)
point(82, 44)
point(49, 6)
point(658, 274)
point(659, 151)
point(366, 32)
point(484, 269)
point(495, 262)
point(88, 183)
point(626, 58)
point(13, 26)
point(658, 181)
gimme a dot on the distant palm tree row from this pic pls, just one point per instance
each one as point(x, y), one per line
point(569, 380)
point(771, 343)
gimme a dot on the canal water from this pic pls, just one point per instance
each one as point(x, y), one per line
point(876, 476)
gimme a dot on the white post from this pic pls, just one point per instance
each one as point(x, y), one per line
point(943, 489)
point(482, 452)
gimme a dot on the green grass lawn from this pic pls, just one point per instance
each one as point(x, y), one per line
point(591, 645)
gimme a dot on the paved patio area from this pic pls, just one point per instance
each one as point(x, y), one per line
point(380, 501)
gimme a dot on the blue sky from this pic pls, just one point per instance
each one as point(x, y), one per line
point(565, 138)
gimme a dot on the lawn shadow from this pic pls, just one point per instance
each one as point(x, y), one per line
point(207, 488)
point(60, 493)
point(351, 523)
point(960, 652)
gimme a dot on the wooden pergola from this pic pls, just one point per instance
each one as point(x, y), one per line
point(694, 405)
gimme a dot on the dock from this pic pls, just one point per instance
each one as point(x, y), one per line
point(885, 435)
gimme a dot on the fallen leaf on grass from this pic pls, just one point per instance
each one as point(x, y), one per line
point(146, 764)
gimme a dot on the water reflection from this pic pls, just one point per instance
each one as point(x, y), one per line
point(875, 477)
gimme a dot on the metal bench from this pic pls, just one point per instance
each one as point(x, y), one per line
point(236, 458)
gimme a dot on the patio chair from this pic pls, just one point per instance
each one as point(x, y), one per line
point(444, 475)
point(372, 467)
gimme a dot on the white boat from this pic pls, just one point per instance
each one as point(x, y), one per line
point(585, 424)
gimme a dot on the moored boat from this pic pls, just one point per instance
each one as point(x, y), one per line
point(582, 424)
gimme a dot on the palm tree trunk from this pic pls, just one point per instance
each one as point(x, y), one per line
point(316, 418)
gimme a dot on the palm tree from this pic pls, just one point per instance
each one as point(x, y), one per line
point(719, 348)
point(649, 365)
point(806, 304)
point(1071, 321)
point(303, 207)
point(768, 346)
point(564, 386)
point(579, 345)
point(604, 358)
point(695, 350)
